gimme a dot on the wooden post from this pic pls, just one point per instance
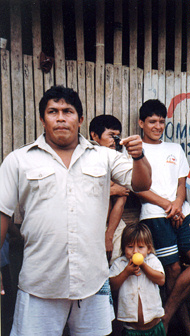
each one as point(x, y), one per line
point(17, 74)
point(81, 61)
point(169, 130)
point(29, 99)
point(100, 57)
point(37, 48)
point(90, 94)
point(125, 101)
point(147, 49)
point(58, 38)
point(162, 50)
point(7, 137)
point(177, 67)
point(133, 67)
point(109, 89)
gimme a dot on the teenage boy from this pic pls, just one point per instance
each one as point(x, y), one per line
point(104, 130)
point(62, 185)
point(164, 208)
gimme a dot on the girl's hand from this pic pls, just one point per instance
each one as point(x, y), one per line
point(133, 269)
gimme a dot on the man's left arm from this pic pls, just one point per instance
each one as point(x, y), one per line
point(141, 174)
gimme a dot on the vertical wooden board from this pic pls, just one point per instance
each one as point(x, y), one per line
point(49, 79)
point(183, 117)
point(118, 24)
point(117, 97)
point(71, 74)
point(90, 94)
point(79, 30)
point(99, 82)
point(99, 69)
point(17, 74)
point(169, 129)
point(154, 91)
point(161, 50)
point(37, 48)
point(125, 102)
point(140, 95)
point(133, 101)
point(82, 95)
point(6, 104)
point(177, 111)
point(178, 36)
point(162, 86)
point(133, 66)
point(147, 49)
point(29, 100)
point(109, 89)
point(58, 39)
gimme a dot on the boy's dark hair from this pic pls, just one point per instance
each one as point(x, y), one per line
point(101, 122)
point(137, 232)
point(58, 92)
point(150, 107)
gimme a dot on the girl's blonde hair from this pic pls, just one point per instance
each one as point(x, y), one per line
point(138, 232)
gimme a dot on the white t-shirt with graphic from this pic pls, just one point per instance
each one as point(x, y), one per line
point(169, 163)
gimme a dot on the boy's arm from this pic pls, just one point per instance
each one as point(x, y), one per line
point(175, 213)
point(174, 208)
point(117, 190)
point(155, 276)
point(113, 221)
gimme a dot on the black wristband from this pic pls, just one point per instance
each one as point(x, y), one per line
point(139, 157)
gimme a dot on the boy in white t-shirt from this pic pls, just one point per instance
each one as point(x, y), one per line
point(164, 208)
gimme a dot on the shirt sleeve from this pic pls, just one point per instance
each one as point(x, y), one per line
point(184, 166)
point(9, 185)
point(121, 168)
point(117, 267)
point(155, 263)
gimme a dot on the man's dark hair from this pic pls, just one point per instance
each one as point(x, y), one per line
point(150, 107)
point(58, 92)
point(101, 122)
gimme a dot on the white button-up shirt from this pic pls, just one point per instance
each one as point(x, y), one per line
point(64, 215)
point(135, 286)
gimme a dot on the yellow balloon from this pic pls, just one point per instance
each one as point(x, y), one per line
point(137, 258)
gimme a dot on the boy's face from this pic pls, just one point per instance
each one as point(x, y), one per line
point(106, 138)
point(153, 128)
point(139, 247)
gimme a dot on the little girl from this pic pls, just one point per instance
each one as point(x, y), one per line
point(139, 301)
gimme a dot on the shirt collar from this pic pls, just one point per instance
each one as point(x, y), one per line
point(41, 143)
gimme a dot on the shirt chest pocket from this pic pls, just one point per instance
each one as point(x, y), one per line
point(94, 179)
point(42, 181)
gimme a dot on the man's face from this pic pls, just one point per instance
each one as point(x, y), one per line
point(106, 139)
point(61, 124)
point(153, 128)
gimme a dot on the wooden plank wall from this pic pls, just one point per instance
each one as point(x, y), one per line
point(103, 88)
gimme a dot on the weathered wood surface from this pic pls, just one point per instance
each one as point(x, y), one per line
point(114, 89)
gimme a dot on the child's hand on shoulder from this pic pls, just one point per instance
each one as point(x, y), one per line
point(133, 269)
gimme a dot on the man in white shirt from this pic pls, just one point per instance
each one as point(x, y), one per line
point(62, 185)
point(164, 208)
